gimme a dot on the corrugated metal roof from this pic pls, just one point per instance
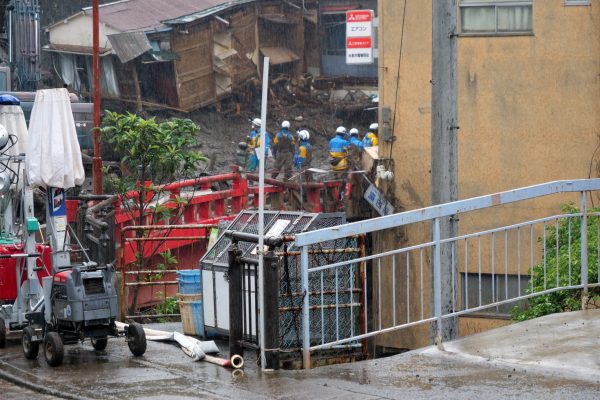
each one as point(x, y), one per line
point(129, 45)
point(149, 15)
point(206, 12)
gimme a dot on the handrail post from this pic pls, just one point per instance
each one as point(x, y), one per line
point(236, 316)
point(437, 281)
point(305, 309)
point(123, 294)
point(271, 311)
point(584, 251)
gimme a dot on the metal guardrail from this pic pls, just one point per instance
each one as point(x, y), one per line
point(512, 250)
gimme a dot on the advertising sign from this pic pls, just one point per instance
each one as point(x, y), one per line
point(359, 37)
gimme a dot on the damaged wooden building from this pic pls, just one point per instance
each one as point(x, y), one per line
point(186, 54)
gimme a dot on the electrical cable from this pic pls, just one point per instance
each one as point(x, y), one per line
point(590, 169)
point(398, 77)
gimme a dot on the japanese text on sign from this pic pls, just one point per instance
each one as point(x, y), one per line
point(359, 37)
point(377, 201)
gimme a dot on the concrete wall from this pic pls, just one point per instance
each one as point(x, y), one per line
point(78, 32)
point(527, 111)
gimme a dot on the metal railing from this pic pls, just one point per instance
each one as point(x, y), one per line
point(488, 269)
point(153, 240)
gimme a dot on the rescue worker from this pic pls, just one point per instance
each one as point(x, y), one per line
point(370, 138)
point(285, 149)
point(241, 155)
point(338, 151)
point(254, 143)
point(303, 157)
point(355, 150)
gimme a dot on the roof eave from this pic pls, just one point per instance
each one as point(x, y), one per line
point(186, 19)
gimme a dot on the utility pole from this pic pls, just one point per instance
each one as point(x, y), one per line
point(97, 160)
point(444, 129)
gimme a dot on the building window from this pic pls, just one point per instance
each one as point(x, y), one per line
point(334, 34)
point(492, 289)
point(577, 2)
point(496, 17)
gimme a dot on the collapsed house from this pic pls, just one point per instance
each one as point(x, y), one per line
point(186, 54)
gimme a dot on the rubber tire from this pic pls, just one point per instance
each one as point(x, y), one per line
point(54, 350)
point(99, 344)
point(2, 334)
point(30, 349)
point(136, 339)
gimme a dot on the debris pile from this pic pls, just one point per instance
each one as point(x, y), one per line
point(316, 104)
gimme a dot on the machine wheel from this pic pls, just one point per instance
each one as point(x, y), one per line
point(2, 334)
point(136, 339)
point(99, 343)
point(54, 350)
point(30, 348)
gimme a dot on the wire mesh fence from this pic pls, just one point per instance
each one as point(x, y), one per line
point(335, 295)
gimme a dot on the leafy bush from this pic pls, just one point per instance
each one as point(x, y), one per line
point(152, 153)
point(169, 306)
point(562, 300)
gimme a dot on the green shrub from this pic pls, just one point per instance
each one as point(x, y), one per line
point(562, 300)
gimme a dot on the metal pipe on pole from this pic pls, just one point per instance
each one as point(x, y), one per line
point(97, 160)
point(444, 158)
point(261, 212)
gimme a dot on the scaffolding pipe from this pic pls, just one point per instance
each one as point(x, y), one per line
point(160, 239)
point(161, 227)
point(323, 251)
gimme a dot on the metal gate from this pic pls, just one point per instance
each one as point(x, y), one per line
point(336, 307)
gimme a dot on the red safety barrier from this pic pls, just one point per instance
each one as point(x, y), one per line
point(207, 207)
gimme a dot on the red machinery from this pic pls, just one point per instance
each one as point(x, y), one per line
point(8, 269)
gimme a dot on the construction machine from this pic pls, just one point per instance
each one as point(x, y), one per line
point(77, 300)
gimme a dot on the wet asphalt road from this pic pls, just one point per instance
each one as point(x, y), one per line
point(164, 372)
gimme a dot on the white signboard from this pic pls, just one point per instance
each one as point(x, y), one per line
point(359, 37)
point(359, 24)
point(378, 202)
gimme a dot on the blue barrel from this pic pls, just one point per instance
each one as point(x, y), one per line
point(192, 317)
point(190, 281)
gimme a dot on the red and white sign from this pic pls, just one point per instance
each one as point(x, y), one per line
point(359, 43)
point(359, 23)
point(359, 37)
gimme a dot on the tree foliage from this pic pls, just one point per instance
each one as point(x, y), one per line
point(563, 260)
point(148, 149)
point(152, 153)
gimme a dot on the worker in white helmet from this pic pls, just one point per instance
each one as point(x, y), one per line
point(355, 150)
point(254, 143)
point(284, 148)
point(338, 150)
point(370, 138)
point(303, 156)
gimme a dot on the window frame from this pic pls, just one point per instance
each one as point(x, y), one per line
point(496, 4)
point(570, 3)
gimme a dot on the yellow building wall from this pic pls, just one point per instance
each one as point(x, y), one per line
point(527, 111)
